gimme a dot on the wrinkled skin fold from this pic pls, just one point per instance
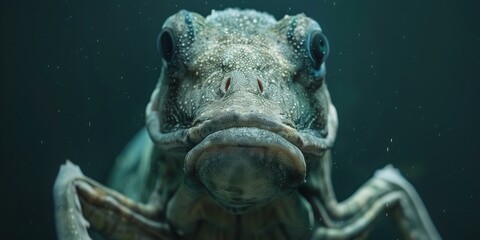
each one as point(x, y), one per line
point(237, 145)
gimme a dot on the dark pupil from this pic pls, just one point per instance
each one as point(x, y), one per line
point(318, 49)
point(166, 44)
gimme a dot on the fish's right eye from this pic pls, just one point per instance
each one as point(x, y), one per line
point(318, 48)
point(166, 44)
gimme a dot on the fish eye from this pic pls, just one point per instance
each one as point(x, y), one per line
point(318, 48)
point(166, 44)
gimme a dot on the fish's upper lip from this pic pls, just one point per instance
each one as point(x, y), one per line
point(235, 119)
point(304, 140)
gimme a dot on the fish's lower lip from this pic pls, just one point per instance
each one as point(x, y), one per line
point(246, 137)
point(241, 167)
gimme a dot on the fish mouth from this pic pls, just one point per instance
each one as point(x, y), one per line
point(242, 158)
point(242, 167)
point(309, 141)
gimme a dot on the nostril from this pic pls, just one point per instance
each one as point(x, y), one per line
point(227, 84)
point(260, 85)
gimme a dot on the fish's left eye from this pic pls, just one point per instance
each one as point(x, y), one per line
point(166, 44)
point(318, 48)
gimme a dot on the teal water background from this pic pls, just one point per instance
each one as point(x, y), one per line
point(404, 76)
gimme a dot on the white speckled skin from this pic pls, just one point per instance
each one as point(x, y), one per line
point(237, 145)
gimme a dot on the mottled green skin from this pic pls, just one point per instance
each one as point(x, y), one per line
point(237, 146)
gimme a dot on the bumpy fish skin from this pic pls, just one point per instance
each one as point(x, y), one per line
point(236, 146)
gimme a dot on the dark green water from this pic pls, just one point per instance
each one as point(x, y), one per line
point(404, 75)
